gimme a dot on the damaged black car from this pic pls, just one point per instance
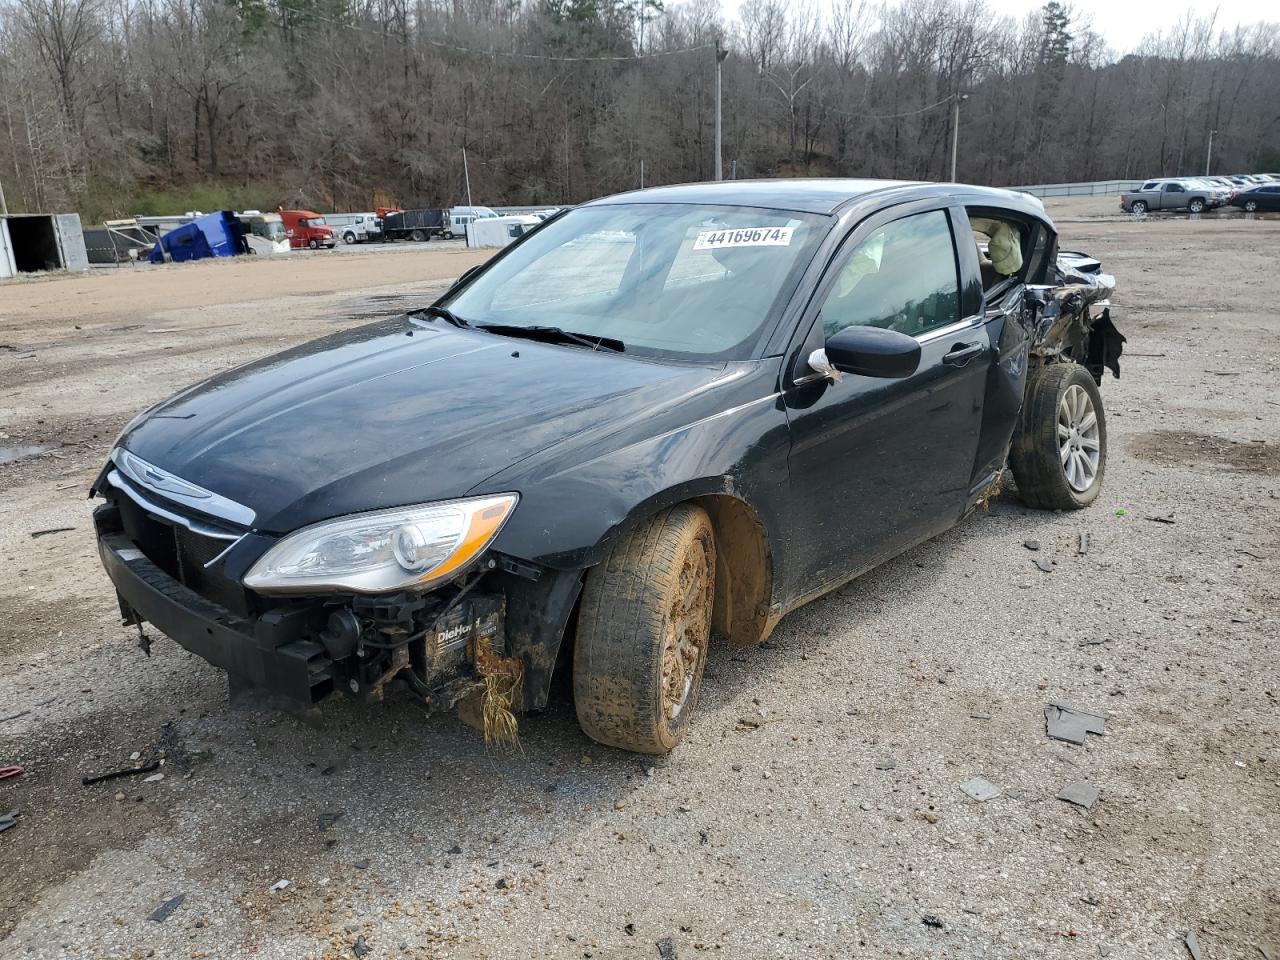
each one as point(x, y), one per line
point(659, 416)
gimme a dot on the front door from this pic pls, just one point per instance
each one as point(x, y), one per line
point(877, 464)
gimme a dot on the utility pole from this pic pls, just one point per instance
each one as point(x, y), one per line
point(955, 133)
point(720, 55)
point(642, 174)
point(466, 174)
point(1207, 159)
point(4, 207)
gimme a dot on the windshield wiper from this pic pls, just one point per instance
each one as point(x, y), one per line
point(445, 314)
point(554, 335)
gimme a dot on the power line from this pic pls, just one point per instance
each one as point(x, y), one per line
point(515, 55)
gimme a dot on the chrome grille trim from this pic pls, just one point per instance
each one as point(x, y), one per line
point(165, 484)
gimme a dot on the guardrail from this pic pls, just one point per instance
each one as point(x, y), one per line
point(1088, 188)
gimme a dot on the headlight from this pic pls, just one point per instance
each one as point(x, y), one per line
point(402, 549)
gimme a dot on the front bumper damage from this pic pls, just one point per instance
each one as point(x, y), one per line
point(1074, 319)
point(507, 618)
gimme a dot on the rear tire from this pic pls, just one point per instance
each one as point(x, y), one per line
point(643, 631)
point(417, 236)
point(1138, 206)
point(447, 235)
point(1059, 450)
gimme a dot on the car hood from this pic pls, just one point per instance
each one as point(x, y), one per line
point(392, 414)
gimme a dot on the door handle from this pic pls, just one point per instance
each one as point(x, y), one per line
point(962, 353)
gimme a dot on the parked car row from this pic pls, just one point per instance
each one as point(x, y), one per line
point(1249, 192)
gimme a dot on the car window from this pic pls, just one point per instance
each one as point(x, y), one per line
point(1150, 185)
point(1174, 188)
point(903, 277)
point(681, 281)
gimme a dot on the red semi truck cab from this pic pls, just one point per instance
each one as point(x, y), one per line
point(306, 228)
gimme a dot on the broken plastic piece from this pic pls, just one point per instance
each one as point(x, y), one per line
point(1070, 725)
point(161, 913)
point(980, 790)
point(1192, 945)
point(1081, 792)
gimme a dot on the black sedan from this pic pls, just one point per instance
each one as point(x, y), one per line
point(656, 416)
point(1265, 197)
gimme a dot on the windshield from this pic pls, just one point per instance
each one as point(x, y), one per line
point(315, 222)
point(670, 280)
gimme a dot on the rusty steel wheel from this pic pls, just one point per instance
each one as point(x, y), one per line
point(643, 632)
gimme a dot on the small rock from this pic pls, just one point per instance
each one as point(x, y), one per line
point(650, 772)
point(501, 884)
point(586, 758)
point(154, 778)
point(619, 805)
point(361, 864)
point(735, 767)
point(119, 795)
point(864, 806)
point(455, 850)
point(136, 755)
point(886, 763)
point(932, 920)
point(629, 929)
point(360, 948)
point(683, 808)
point(666, 949)
point(1031, 544)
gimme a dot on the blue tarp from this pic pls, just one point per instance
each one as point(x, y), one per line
point(212, 235)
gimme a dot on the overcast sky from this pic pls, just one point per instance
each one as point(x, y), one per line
point(1122, 23)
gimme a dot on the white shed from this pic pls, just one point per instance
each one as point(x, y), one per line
point(31, 242)
point(499, 231)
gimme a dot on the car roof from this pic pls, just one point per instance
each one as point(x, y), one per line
point(826, 196)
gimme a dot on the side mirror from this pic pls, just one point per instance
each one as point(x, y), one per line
point(871, 352)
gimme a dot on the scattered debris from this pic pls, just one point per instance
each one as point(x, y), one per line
point(1031, 544)
point(126, 772)
point(980, 789)
point(629, 929)
point(1080, 792)
point(7, 772)
point(501, 884)
point(45, 533)
point(1044, 566)
point(1082, 544)
point(154, 778)
point(1269, 951)
point(1250, 553)
point(361, 864)
point(1161, 518)
point(8, 820)
point(979, 716)
point(666, 949)
point(279, 885)
point(932, 920)
point(749, 723)
point(886, 763)
point(162, 913)
point(327, 819)
point(1193, 946)
point(1071, 725)
point(360, 948)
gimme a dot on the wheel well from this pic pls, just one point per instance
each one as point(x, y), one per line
point(744, 571)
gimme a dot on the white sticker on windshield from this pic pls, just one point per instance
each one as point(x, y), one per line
point(749, 237)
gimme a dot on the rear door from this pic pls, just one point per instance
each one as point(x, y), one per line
point(877, 465)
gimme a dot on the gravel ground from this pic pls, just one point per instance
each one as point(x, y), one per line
point(814, 810)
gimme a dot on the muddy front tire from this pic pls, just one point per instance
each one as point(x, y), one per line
point(1059, 450)
point(643, 632)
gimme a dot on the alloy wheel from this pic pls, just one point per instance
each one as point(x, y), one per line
point(1079, 447)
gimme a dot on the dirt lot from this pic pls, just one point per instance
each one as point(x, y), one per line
point(815, 810)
